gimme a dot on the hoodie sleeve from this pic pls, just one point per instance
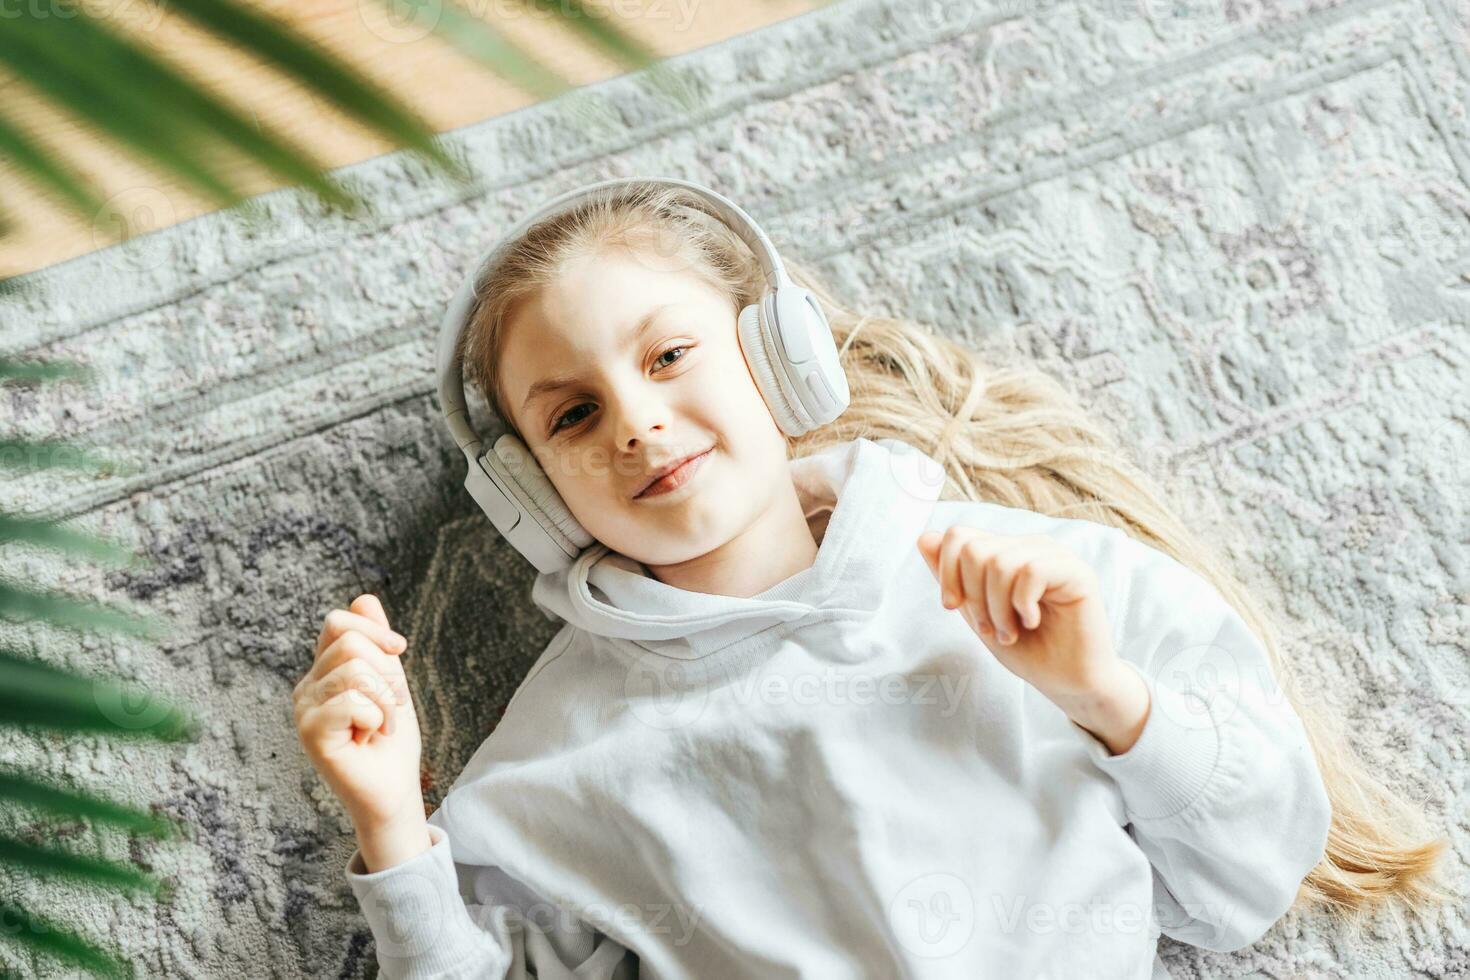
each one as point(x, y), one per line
point(425, 928)
point(1222, 789)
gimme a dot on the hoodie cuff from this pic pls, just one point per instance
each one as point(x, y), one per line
point(1171, 765)
point(416, 913)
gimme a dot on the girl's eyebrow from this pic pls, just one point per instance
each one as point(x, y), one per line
point(558, 381)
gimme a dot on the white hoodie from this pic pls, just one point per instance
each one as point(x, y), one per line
point(836, 779)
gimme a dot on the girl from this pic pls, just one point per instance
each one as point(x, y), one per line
point(835, 706)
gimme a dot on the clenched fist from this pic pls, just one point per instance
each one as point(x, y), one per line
point(356, 720)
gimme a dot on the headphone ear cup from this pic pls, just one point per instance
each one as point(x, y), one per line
point(760, 358)
point(793, 356)
point(550, 510)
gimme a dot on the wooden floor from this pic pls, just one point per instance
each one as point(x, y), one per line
point(447, 88)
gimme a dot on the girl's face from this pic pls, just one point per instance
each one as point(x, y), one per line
point(622, 368)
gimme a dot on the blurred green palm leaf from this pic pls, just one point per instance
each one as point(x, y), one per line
point(134, 99)
point(37, 696)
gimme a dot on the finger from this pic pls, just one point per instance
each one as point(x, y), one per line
point(999, 577)
point(352, 696)
point(340, 621)
point(951, 588)
point(364, 682)
point(1026, 594)
point(929, 547)
point(370, 606)
point(352, 645)
point(972, 579)
point(1071, 580)
point(359, 717)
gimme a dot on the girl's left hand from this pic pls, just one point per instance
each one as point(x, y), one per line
point(1039, 593)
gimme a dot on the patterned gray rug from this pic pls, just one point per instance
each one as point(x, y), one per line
point(1240, 230)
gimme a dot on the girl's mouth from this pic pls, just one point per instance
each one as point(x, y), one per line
point(676, 479)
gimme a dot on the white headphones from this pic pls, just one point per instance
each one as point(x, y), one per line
point(785, 338)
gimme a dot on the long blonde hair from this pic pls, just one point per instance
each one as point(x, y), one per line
point(1011, 435)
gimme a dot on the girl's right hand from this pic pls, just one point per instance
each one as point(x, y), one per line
point(356, 720)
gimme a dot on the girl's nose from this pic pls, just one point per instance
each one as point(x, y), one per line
point(638, 421)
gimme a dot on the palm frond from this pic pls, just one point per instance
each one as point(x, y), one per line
point(324, 72)
point(49, 534)
point(170, 121)
point(601, 31)
point(184, 103)
point(48, 936)
point(27, 370)
point(52, 67)
point(481, 42)
point(53, 861)
point(41, 696)
point(48, 170)
point(22, 789)
point(20, 603)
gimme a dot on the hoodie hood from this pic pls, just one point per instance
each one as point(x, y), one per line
point(875, 497)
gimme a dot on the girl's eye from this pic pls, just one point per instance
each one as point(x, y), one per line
point(562, 422)
point(570, 417)
point(670, 351)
